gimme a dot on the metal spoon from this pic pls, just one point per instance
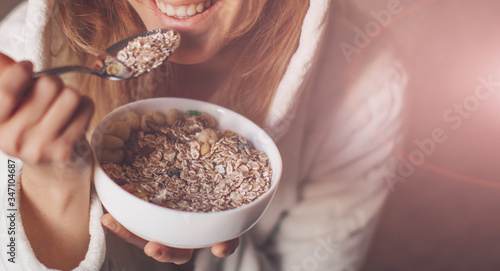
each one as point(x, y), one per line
point(131, 57)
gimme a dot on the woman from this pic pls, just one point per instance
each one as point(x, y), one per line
point(280, 63)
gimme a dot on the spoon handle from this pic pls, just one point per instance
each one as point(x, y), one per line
point(61, 70)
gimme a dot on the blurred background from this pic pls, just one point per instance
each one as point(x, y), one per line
point(444, 213)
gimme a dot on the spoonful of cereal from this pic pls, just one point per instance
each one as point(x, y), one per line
point(130, 57)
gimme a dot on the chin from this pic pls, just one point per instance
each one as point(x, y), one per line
point(188, 59)
point(195, 53)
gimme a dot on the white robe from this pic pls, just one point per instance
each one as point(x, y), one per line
point(336, 118)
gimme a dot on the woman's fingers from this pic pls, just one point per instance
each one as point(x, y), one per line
point(55, 136)
point(109, 222)
point(37, 100)
point(5, 62)
point(225, 249)
point(154, 250)
point(166, 254)
point(71, 143)
point(179, 256)
point(40, 120)
point(14, 83)
point(61, 112)
point(20, 130)
point(161, 252)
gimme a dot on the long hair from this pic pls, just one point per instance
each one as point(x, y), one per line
point(270, 34)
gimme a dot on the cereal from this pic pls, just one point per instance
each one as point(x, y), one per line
point(114, 68)
point(133, 119)
point(205, 149)
point(112, 142)
point(207, 136)
point(172, 116)
point(112, 156)
point(144, 121)
point(143, 54)
point(210, 119)
point(189, 166)
point(120, 129)
point(158, 117)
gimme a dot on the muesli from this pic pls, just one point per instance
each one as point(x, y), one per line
point(144, 53)
point(181, 161)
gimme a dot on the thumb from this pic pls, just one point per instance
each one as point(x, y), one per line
point(5, 62)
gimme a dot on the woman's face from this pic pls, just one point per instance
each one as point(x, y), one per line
point(204, 25)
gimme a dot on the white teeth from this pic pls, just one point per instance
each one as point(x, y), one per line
point(170, 10)
point(161, 6)
point(182, 12)
point(200, 7)
point(191, 10)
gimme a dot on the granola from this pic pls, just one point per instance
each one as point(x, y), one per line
point(144, 53)
point(189, 165)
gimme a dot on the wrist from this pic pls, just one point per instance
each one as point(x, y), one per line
point(55, 187)
point(55, 212)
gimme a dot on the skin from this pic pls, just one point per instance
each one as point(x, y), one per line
point(163, 253)
point(40, 123)
point(43, 123)
point(203, 42)
point(206, 52)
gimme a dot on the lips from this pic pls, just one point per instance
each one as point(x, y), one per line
point(183, 11)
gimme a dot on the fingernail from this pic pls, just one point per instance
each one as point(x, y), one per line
point(111, 226)
point(158, 254)
point(227, 253)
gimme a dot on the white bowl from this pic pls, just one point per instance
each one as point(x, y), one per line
point(178, 228)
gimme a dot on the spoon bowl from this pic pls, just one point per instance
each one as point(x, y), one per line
point(128, 58)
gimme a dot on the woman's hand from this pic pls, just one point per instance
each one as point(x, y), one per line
point(43, 123)
point(40, 120)
point(161, 252)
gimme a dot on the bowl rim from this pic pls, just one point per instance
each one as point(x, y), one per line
point(276, 174)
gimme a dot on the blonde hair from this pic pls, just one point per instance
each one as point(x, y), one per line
point(270, 32)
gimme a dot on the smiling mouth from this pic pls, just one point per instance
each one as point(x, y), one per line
point(183, 11)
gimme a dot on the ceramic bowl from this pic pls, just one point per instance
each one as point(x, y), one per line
point(178, 228)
